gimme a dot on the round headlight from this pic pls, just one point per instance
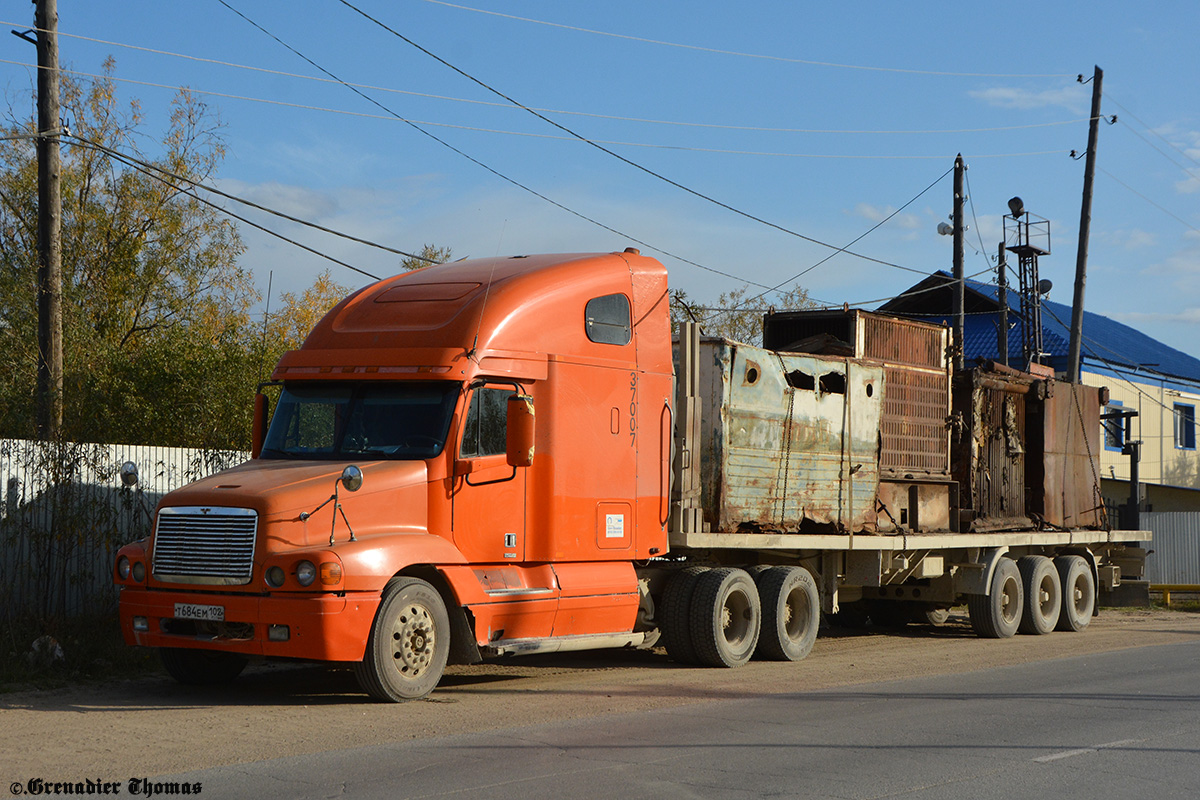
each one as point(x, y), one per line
point(275, 577)
point(123, 568)
point(306, 573)
point(139, 572)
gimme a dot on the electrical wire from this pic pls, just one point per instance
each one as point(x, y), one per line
point(526, 134)
point(171, 179)
point(1126, 112)
point(492, 104)
point(482, 165)
point(1148, 200)
point(745, 55)
point(601, 148)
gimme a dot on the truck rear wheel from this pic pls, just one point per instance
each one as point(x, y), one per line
point(1079, 593)
point(409, 643)
point(201, 667)
point(1043, 594)
point(726, 615)
point(998, 615)
point(791, 613)
point(677, 614)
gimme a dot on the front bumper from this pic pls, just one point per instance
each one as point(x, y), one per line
point(322, 627)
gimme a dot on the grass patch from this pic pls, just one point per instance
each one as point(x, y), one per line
point(91, 650)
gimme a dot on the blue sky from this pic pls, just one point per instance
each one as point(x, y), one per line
point(819, 118)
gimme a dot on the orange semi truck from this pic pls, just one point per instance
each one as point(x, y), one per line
point(512, 455)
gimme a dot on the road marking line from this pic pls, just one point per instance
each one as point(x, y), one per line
point(1085, 750)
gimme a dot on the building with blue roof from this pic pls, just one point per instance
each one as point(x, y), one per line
point(1144, 375)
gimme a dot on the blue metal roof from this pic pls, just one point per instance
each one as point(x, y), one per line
point(1107, 344)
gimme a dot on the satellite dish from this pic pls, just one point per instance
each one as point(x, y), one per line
point(1045, 285)
point(1016, 206)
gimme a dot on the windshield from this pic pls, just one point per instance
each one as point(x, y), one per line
point(345, 421)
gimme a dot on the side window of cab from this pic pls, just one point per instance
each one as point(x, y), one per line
point(608, 320)
point(485, 431)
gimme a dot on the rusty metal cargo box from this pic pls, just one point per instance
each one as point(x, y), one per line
point(788, 442)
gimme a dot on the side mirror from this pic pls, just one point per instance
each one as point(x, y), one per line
point(520, 430)
point(258, 431)
point(352, 478)
point(129, 474)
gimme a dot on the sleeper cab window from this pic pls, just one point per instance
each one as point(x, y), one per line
point(608, 319)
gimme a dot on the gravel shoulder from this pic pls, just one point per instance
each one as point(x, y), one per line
point(153, 726)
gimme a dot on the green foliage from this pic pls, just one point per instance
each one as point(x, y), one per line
point(155, 305)
point(428, 256)
point(733, 315)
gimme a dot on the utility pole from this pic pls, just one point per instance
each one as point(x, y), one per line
point(50, 361)
point(1002, 297)
point(959, 289)
point(1085, 224)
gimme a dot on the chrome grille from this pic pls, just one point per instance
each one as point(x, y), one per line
point(211, 545)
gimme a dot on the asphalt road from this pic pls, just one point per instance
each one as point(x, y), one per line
point(1123, 724)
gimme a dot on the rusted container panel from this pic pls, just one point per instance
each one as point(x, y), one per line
point(1065, 427)
point(992, 447)
point(913, 436)
point(789, 442)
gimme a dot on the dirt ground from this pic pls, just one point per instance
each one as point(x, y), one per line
point(152, 726)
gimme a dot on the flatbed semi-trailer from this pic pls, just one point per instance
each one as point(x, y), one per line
point(516, 455)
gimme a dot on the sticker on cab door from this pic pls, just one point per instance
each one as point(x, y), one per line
point(614, 526)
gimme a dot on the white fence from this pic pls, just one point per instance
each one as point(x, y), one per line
point(1176, 546)
point(65, 514)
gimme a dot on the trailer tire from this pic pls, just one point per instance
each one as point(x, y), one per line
point(726, 617)
point(791, 613)
point(1043, 594)
point(932, 615)
point(201, 667)
point(409, 643)
point(1078, 593)
point(997, 615)
point(677, 614)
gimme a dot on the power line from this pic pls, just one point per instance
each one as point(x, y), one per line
point(479, 163)
point(1166, 141)
point(1169, 213)
point(605, 150)
point(745, 55)
point(172, 179)
point(565, 112)
point(527, 134)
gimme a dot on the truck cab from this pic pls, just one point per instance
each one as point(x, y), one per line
point(463, 460)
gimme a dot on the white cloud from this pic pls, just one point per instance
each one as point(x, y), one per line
point(1131, 239)
point(1072, 98)
point(880, 213)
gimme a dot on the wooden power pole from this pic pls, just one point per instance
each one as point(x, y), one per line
point(49, 294)
point(959, 288)
point(1085, 224)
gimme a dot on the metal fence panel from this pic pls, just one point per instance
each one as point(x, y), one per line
point(1176, 546)
point(64, 514)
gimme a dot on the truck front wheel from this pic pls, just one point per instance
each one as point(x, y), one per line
point(409, 643)
point(201, 667)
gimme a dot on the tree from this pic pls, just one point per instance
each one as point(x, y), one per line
point(150, 273)
point(428, 256)
point(733, 316)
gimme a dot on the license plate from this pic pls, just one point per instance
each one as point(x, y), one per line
point(206, 613)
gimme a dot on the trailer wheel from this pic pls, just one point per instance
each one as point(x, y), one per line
point(201, 667)
point(677, 614)
point(408, 645)
point(726, 616)
point(1078, 593)
point(791, 613)
point(997, 615)
point(931, 615)
point(1043, 594)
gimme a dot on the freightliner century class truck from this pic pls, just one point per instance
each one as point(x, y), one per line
point(511, 455)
